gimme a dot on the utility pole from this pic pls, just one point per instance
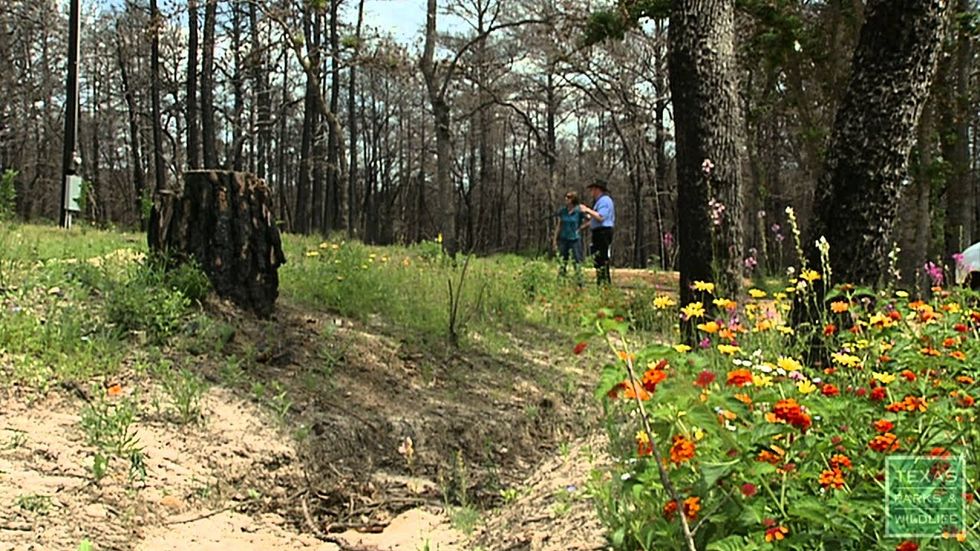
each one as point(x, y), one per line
point(69, 160)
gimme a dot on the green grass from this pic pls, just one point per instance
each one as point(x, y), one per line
point(78, 304)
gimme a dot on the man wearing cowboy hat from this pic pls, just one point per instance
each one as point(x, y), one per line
point(602, 219)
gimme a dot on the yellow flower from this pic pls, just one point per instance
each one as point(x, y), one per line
point(901, 294)
point(710, 327)
point(761, 380)
point(728, 349)
point(779, 296)
point(439, 238)
point(846, 359)
point(704, 286)
point(725, 304)
point(805, 386)
point(324, 245)
point(693, 310)
point(886, 346)
point(663, 301)
point(862, 344)
point(757, 293)
point(883, 378)
point(784, 330)
point(312, 253)
point(763, 325)
point(698, 435)
point(789, 364)
point(810, 275)
point(880, 321)
point(682, 348)
point(952, 307)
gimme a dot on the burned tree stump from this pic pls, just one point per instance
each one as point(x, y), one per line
point(224, 221)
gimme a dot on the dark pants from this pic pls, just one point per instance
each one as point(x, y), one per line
point(601, 251)
point(566, 246)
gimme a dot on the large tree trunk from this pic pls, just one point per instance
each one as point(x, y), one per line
point(960, 193)
point(708, 118)
point(866, 165)
point(224, 221)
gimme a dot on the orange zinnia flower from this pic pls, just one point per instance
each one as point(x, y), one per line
point(839, 306)
point(907, 545)
point(887, 442)
point(691, 507)
point(739, 377)
point(929, 351)
point(652, 377)
point(631, 391)
point(958, 354)
point(776, 534)
point(883, 425)
point(114, 390)
point(829, 390)
point(681, 450)
point(840, 462)
point(832, 479)
point(964, 380)
point(791, 412)
point(744, 398)
point(829, 329)
point(949, 342)
point(766, 456)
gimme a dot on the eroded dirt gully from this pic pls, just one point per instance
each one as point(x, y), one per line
point(332, 435)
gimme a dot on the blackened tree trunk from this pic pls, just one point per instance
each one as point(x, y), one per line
point(960, 193)
point(208, 129)
point(158, 214)
point(224, 221)
point(867, 159)
point(708, 118)
point(193, 128)
point(352, 124)
point(335, 207)
point(135, 143)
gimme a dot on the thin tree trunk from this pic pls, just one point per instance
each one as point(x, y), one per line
point(158, 220)
point(135, 146)
point(337, 209)
point(193, 130)
point(352, 123)
point(208, 128)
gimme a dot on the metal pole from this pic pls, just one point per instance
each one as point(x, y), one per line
point(71, 109)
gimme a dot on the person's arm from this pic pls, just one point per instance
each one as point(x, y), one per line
point(590, 212)
point(603, 208)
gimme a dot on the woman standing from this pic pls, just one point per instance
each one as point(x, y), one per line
point(568, 238)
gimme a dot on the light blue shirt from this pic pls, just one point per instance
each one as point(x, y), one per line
point(604, 206)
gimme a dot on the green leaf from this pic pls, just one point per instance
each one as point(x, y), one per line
point(712, 472)
point(731, 543)
point(85, 546)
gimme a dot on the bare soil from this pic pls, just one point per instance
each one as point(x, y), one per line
point(377, 441)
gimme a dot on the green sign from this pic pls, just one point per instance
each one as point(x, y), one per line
point(924, 496)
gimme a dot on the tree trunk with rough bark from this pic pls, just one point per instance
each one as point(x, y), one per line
point(224, 221)
point(873, 134)
point(708, 118)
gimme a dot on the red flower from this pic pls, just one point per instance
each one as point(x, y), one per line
point(878, 394)
point(829, 329)
point(907, 545)
point(829, 390)
point(748, 490)
point(705, 378)
point(861, 392)
point(909, 376)
point(895, 315)
point(791, 412)
point(960, 328)
point(580, 347)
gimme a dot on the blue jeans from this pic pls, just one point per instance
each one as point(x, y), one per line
point(573, 246)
